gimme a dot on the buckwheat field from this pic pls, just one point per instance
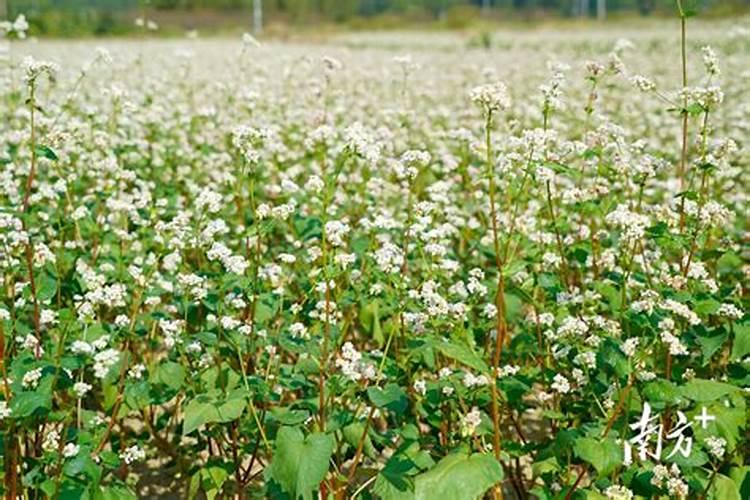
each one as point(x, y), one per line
point(387, 266)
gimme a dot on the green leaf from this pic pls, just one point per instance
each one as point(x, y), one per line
point(285, 416)
point(391, 397)
point(711, 344)
point(114, 492)
point(369, 316)
point(544, 466)
point(46, 287)
point(137, 395)
point(71, 491)
point(512, 268)
point(264, 308)
point(514, 390)
point(611, 356)
point(233, 407)
point(170, 374)
point(353, 433)
point(82, 464)
point(741, 345)
point(729, 423)
point(210, 479)
point(688, 8)
point(724, 488)
point(46, 152)
point(610, 293)
point(741, 477)
point(26, 403)
point(300, 463)
point(604, 454)
point(308, 227)
point(462, 354)
point(592, 495)
point(393, 482)
point(728, 263)
point(706, 390)
point(707, 306)
point(205, 410)
point(694, 109)
point(198, 413)
point(662, 392)
point(394, 478)
point(459, 476)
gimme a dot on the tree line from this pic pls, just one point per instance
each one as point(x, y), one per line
point(101, 17)
point(342, 10)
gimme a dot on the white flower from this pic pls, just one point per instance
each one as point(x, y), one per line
point(81, 347)
point(629, 346)
point(122, 321)
point(389, 258)
point(470, 380)
point(20, 24)
point(661, 473)
point(617, 492)
point(561, 384)
point(491, 97)
point(71, 450)
point(104, 55)
point(730, 311)
point(209, 200)
point(681, 310)
point(5, 410)
point(353, 366)
point(359, 142)
point(51, 441)
point(47, 317)
point(81, 388)
point(716, 446)
point(331, 63)
point(103, 361)
point(298, 330)
point(642, 83)
point(314, 184)
point(507, 370)
point(34, 69)
point(31, 379)
point(420, 387)
point(132, 454)
point(470, 422)
point(677, 487)
point(710, 61)
point(632, 224)
point(336, 231)
point(572, 326)
point(137, 371)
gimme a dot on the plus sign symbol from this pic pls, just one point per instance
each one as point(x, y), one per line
point(704, 418)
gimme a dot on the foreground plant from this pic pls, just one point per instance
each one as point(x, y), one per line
point(294, 277)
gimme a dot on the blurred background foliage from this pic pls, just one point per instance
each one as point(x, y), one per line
point(66, 18)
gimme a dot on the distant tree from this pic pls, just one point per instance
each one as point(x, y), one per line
point(645, 7)
point(438, 8)
point(339, 10)
point(257, 16)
